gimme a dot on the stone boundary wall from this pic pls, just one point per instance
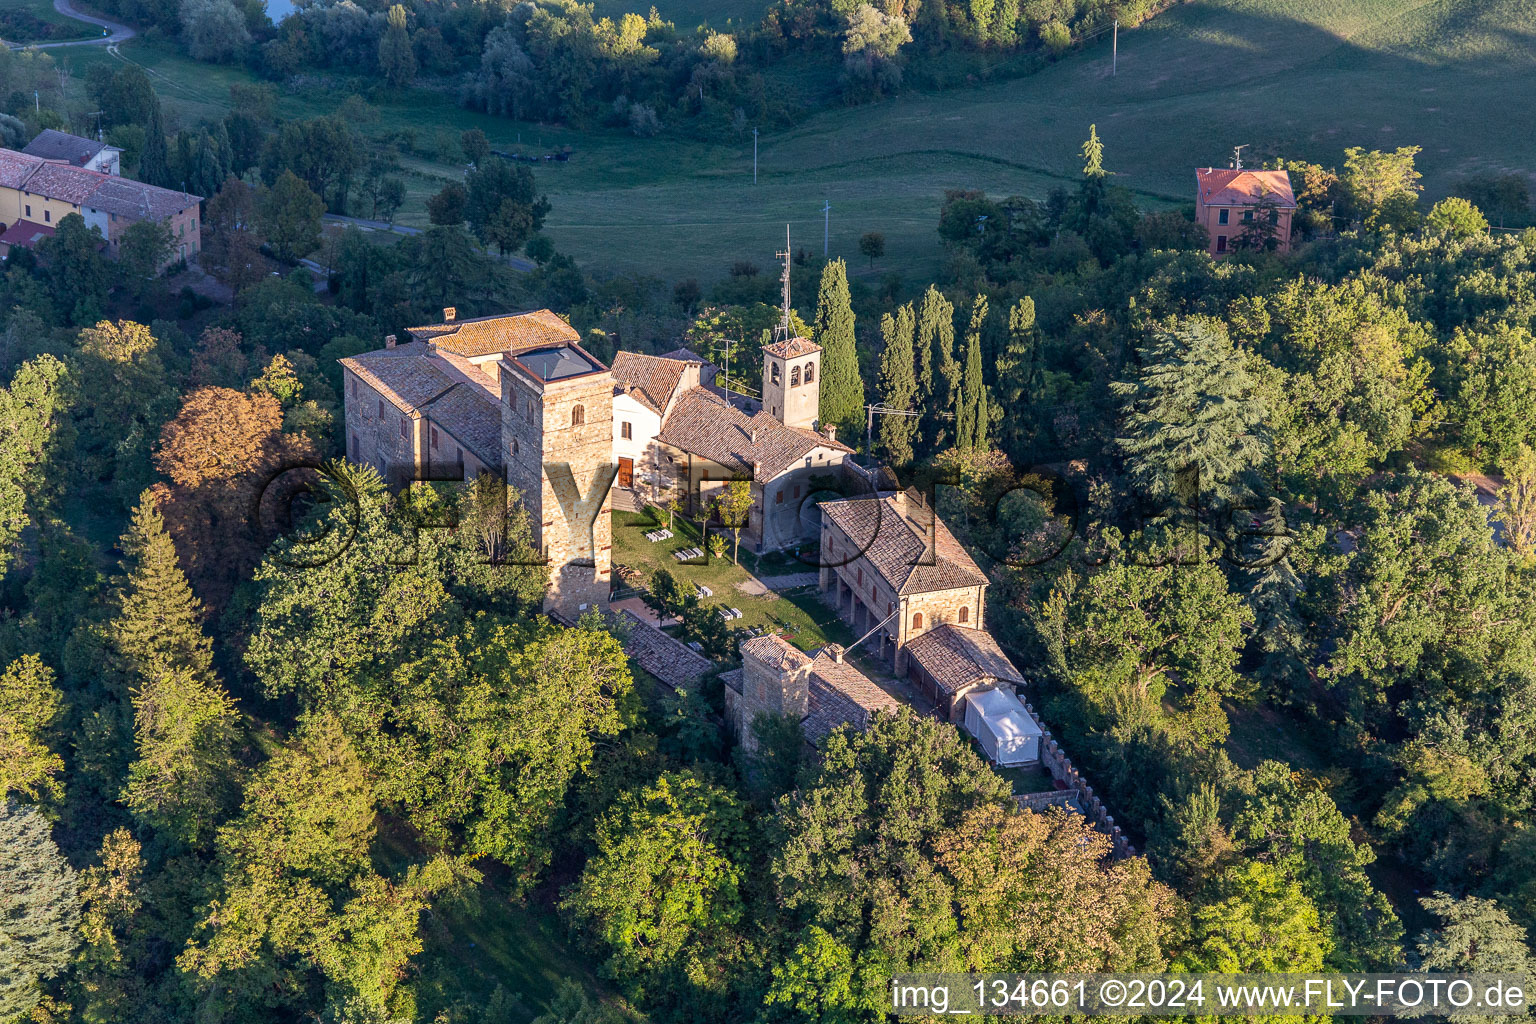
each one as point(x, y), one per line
point(1055, 761)
point(666, 658)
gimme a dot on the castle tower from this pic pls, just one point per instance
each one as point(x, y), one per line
point(792, 382)
point(775, 680)
point(557, 446)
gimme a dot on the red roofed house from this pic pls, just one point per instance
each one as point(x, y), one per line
point(1228, 199)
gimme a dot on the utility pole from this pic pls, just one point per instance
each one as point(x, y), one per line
point(1114, 67)
point(826, 225)
point(881, 409)
point(754, 156)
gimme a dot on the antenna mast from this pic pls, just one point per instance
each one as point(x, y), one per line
point(1237, 156)
point(784, 328)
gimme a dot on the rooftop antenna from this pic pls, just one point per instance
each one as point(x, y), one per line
point(784, 329)
point(1237, 156)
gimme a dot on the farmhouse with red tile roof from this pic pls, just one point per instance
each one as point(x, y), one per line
point(1239, 206)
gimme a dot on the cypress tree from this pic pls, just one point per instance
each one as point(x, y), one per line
point(39, 908)
point(842, 390)
point(157, 624)
point(975, 412)
point(1016, 370)
point(155, 160)
point(938, 393)
point(898, 386)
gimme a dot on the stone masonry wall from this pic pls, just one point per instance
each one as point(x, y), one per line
point(379, 442)
point(537, 432)
point(1055, 761)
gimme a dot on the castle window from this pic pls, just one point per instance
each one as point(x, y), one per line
point(404, 430)
point(774, 372)
point(514, 446)
point(797, 491)
point(1221, 216)
point(578, 415)
point(357, 455)
point(381, 408)
point(965, 614)
point(810, 373)
point(794, 377)
point(626, 431)
point(434, 439)
point(917, 620)
point(778, 496)
point(512, 397)
point(861, 575)
point(459, 457)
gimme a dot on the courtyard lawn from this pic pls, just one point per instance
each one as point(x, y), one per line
point(798, 614)
point(1033, 779)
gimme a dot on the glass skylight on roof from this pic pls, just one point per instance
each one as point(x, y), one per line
point(557, 363)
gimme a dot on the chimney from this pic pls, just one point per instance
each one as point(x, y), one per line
point(757, 469)
point(449, 313)
point(389, 341)
point(752, 436)
point(836, 652)
point(830, 431)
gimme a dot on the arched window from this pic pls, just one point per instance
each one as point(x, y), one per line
point(917, 620)
point(578, 415)
point(965, 614)
point(810, 373)
point(773, 372)
point(512, 398)
point(514, 447)
point(794, 377)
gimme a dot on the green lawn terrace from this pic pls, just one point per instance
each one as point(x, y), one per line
point(798, 614)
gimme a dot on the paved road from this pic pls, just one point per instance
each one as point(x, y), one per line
point(113, 35)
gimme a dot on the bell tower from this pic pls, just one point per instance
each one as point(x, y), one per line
point(791, 368)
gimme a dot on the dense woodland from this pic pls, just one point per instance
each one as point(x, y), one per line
point(255, 751)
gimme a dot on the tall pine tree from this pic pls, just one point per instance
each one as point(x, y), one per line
point(842, 390)
point(1017, 368)
point(39, 908)
point(157, 625)
point(898, 386)
point(1191, 418)
point(184, 722)
point(974, 416)
point(938, 381)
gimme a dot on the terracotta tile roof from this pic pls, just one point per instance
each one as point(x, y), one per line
point(472, 417)
point(404, 375)
point(891, 532)
point(26, 233)
point(134, 199)
point(16, 168)
point(56, 145)
point(775, 652)
point(708, 371)
point(957, 656)
point(67, 184)
point(651, 379)
point(841, 695)
point(1225, 186)
point(487, 335)
point(792, 347)
point(705, 424)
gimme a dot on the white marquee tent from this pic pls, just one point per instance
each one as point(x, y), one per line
point(1005, 730)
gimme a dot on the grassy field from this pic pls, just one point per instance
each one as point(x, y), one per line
point(1301, 78)
point(685, 14)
